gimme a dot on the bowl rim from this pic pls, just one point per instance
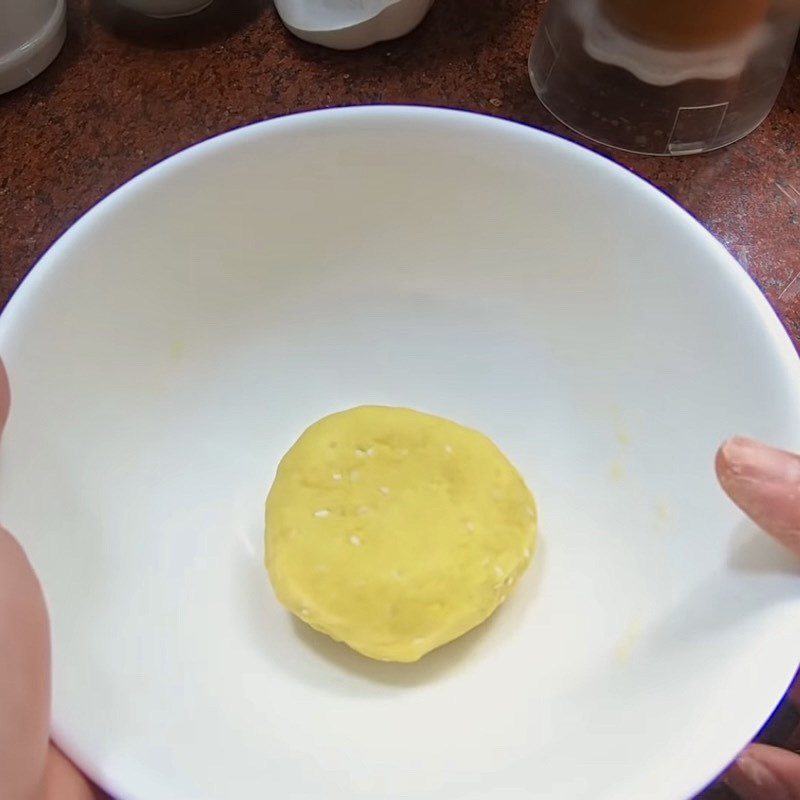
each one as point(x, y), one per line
point(727, 263)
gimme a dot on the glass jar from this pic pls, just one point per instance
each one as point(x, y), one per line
point(663, 77)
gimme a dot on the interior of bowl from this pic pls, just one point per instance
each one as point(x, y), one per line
point(172, 346)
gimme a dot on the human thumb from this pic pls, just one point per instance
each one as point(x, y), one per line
point(25, 671)
point(765, 484)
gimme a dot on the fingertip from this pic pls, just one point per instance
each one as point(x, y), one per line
point(722, 463)
point(764, 482)
point(765, 773)
point(733, 456)
point(745, 778)
point(726, 467)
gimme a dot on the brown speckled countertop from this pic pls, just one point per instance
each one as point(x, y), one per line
point(127, 92)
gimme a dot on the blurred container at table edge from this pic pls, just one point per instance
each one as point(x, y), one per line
point(166, 9)
point(32, 33)
point(663, 77)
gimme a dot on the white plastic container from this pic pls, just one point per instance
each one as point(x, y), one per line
point(32, 33)
point(351, 24)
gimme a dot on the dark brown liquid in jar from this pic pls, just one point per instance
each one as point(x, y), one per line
point(686, 24)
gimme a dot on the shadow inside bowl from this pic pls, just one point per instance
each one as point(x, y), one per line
point(754, 552)
point(429, 668)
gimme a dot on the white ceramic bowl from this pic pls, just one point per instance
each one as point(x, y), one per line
point(172, 345)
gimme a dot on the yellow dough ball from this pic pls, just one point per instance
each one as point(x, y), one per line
point(396, 531)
